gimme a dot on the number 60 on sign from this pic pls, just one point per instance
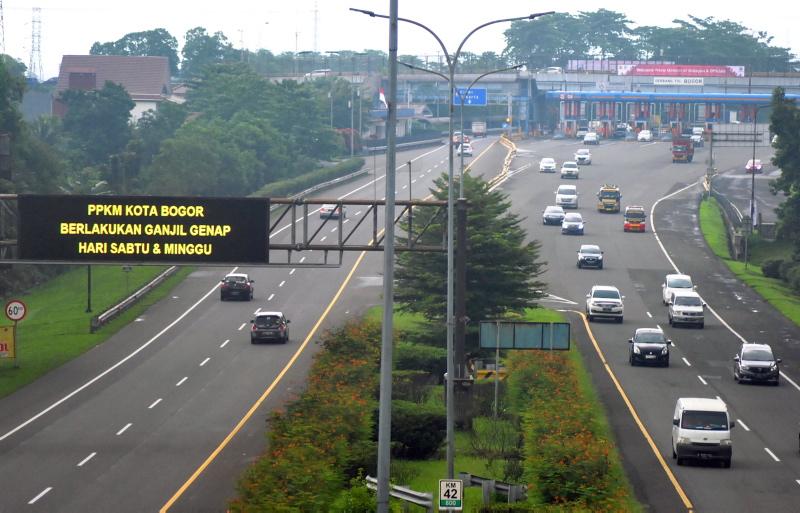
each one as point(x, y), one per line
point(450, 494)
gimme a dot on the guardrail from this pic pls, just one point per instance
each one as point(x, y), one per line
point(412, 144)
point(100, 320)
point(734, 221)
point(408, 495)
point(513, 492)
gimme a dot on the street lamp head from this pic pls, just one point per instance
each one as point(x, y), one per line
point(536, 15)
point(364, 11)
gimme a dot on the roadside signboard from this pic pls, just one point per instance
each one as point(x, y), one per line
point(7, 346)
point(143, 229)
point(16, 310)
point(525, 335)
point(451, 496)
point(476, 96)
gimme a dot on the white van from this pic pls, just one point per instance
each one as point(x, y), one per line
point(701, 429)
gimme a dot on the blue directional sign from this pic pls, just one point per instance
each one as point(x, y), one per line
point(476, 96)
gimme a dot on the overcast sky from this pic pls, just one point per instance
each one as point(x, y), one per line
point(72, 26)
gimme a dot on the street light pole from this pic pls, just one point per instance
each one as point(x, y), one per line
point(451, 65)
point(751, 223)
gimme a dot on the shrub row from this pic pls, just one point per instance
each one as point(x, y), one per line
point(300, 183)
point(786, 270)
point(566, 460)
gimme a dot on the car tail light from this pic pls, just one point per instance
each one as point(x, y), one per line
point(253, 327)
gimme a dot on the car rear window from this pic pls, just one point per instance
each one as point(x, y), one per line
point(706, 420)
point(688, 301)
point(757, 355)
point(573, 218)
point(566, 190)
point(606, 294)
point(268, 321)
point(590, 250)
point(679, 283)
point(236, 279)
point(650, 337)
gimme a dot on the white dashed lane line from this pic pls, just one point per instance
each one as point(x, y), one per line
point(242, 326)
point(270, 297)
point(744, 426)
point(228, 340)
point(155, 403)
point(405, 187)
point(204, 362)
point(292, 272)
point(258, 310)
point(181, 382)
point(323, 238)
point(686, 362)
point(129, 424)
point(772, 454)
point(702, 380)
point(304, 258)
point(649, 314)
point(281, 284)
point(413, 181)
point(357, 213)
point(85, 460)
point(41, 494)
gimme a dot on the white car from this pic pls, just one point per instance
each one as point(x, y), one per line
point(332, 211)
point(572, 224)
point(645, 136)
point(604, 301)
point(675, 283)
point(583, 157)
point(570, 169)
point(547, 165)
point(591, 138)
point(686, 307)
point(464, 149)
point(567, 196)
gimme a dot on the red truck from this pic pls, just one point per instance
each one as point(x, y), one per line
point(682, 149)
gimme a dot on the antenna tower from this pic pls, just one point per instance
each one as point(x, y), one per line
point(316, 27)
point(2, 30)
point(35, 64)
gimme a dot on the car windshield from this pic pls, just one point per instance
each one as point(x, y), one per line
point(606, 294)
point(554, 210)
point(634, 215)
point(573, 218)
point(548, 162)
point(650, 337)
point(707, 420)
point(236, 279)
point(566, 190)
point(679, 283)
point(590, 250)
point(688, 301)
point(583, 152)
point(267, 321)
point(609, 194)
point(757, 355)
point(570, 164)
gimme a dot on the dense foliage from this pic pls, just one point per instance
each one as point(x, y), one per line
point(156, 42)
point(502, 268)
point(785, 123)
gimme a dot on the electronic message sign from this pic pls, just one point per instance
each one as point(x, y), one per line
point(143, 229)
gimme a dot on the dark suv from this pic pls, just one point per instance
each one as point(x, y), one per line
point(269, 326)
point(756, 363)
point(236, 285)
point(590, 256)
point(649, 345)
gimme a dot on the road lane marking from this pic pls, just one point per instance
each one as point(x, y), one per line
point(41, 494)
point(739, 421)
point(405, 187)
point(113, 367)
point(772, 454)
point(292, 271)
point(686, 362)
point(129, 424)
point(304, 258)
point(702, 380)
point(281, 284)
point(181, 382)
point(677, 271)
point(270, 297)
point(155, 403)
point(684, 498)
point(224, 343)
point(659, 327)
point(242, 326)
point(85, 460)
point(323, 238)
point(357, 213)
point(205, 361)
point(258, 310)
point(649, 314)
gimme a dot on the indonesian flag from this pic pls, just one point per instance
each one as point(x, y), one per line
point(382, 98)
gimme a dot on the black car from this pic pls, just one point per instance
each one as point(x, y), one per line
point(590, 255)
point(756, 363)
point(269, 326)
point(553, 215)
point(236, 285)
point(649, 345)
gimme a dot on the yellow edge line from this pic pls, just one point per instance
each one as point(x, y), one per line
point(266, 393)
point(667, 470)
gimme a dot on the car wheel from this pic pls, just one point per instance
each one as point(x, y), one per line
point(600, 266)
point(666, 362)
point(726, 463)
point(252, 340)
point(619, 320)
point(776, 382)
point(631, 360)
point(222, 297)
point(701, 325)
point(670, 320)
point(679, 461)
point(674, 454)
point(579, 265)
point(590, 317)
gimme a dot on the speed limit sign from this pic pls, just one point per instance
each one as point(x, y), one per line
point(15, 310)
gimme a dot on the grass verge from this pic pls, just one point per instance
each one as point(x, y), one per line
point(56, 328)
point(774, 291)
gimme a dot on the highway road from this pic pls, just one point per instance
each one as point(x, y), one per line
point(765, 474)
point(131, 425)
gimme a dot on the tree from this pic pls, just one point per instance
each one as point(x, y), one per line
point(97, 122)
point(156, 42)
point(502, 268)
point(785, 123)
point(12, 87)
point(202, 49)
point(546, 41)
point(607, 34)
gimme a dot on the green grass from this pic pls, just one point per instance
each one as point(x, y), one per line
point(774, 291)
point(56, 328)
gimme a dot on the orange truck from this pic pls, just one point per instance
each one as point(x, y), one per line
point(682, 149)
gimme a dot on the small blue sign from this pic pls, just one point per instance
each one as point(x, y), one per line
point(476, 96)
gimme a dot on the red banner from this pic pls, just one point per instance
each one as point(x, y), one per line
point(680, 70)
